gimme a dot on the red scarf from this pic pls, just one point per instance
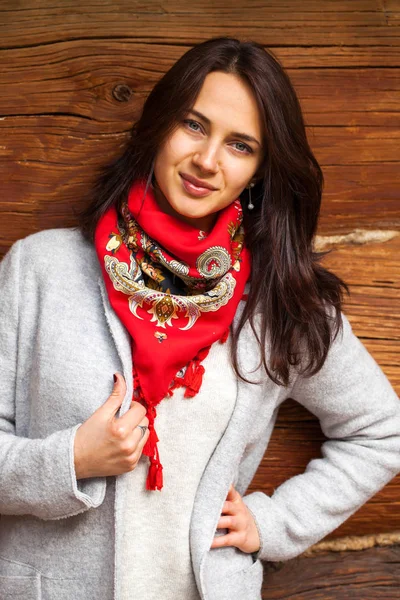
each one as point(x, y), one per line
point(176, 290)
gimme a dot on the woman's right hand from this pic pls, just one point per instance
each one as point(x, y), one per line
point(108, 445)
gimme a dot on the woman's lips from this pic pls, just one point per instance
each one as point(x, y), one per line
point(194, 190)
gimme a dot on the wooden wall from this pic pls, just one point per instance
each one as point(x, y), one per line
point(73, 79)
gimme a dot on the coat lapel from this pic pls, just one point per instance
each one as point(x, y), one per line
point(214, 484)
point(223, 465)
point(122, 342)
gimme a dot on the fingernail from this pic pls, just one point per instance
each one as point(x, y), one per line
point(115, 377)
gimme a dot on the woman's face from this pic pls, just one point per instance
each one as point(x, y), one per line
point(208, 149)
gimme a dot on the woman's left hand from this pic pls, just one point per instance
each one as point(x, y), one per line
point(237, 517)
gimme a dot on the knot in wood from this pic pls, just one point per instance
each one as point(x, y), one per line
point(122, 92)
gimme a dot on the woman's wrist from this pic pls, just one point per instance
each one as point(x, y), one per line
point(79, 471)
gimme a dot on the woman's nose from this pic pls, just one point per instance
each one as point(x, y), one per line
point(207, 158)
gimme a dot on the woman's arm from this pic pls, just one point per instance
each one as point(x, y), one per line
point(37, 476)
point(359, 412)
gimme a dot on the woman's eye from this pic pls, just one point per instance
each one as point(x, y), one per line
point(189, 122)
point(247, 148)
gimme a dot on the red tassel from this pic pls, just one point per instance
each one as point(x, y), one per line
point(201, 355)
point(176, 383)
point(159, 477)
point(188, 376)
point(194, 384)
point(149, 447)
point(154, 479)
point(193, 377)
point(224, 337)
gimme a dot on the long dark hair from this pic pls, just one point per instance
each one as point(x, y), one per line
point(296, 298)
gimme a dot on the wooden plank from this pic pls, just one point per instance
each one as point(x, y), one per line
point(356, 97)
point(301, 24)
point(359, 145)
point(125, 56)
point(360, 196)
point(373, 264)
point(372, 574)
point(304, 58)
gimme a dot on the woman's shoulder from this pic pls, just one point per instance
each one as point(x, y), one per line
point(59, 251)
point(54, 243)
point(65, 238)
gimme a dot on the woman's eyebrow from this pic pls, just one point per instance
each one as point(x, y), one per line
point(244, 136)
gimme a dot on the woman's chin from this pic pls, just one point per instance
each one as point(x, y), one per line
point(201, 220)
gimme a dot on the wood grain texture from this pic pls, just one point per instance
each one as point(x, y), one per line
point(273, 23)
point(372, 574)
point(74, 78)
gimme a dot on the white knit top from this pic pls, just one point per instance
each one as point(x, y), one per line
point(155, 555)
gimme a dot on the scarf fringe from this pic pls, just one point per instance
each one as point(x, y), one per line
point(193, 377)
point(192, 380)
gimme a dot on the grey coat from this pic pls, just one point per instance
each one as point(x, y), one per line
point(60, 343)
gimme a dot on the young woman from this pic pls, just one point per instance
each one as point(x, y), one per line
point(192, 280)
